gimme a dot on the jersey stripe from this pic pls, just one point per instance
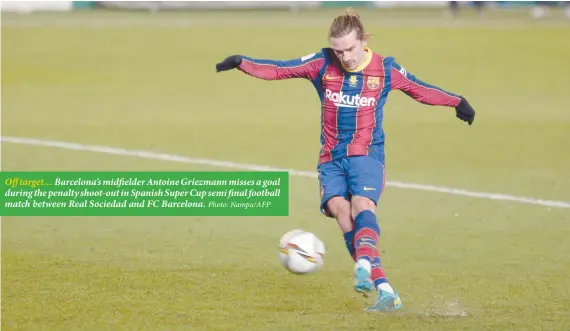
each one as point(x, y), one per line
point(351, 87)
point(378, 134)
point(330, 129)
point(359, 120)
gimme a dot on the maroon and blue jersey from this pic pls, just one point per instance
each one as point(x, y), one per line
point(352, 101)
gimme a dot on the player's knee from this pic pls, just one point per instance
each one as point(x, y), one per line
point(338, 205)
point(360, 204)
point(339, 208)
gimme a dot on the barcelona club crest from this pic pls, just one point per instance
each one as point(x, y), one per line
point(373, 82)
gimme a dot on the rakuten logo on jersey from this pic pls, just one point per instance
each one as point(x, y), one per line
point(352, 101)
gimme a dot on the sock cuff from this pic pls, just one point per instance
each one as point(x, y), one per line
point(365, 213)
point(366, 219)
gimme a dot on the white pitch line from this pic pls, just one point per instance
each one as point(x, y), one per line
point(256, 167)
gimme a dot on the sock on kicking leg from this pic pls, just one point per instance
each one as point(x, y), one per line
point(379, 277)
point(367, 233)
point(366, 236)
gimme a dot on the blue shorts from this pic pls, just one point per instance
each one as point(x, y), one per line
point(356, 175)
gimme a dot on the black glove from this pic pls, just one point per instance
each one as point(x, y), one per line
point(229, 63)
point(465, 112)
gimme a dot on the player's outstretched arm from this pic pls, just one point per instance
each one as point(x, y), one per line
point(429, 94)
point(304, 67)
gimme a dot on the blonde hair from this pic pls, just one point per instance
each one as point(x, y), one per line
point(346, 23)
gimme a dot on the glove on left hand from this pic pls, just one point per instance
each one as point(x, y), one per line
point(229, 63)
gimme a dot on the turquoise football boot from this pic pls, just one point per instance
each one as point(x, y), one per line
point(362, 281)
point(386, 302)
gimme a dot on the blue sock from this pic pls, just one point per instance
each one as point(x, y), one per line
point(349, 241)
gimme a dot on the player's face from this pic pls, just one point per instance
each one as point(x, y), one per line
point(349, 50)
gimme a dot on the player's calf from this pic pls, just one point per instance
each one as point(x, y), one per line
point(339, 208)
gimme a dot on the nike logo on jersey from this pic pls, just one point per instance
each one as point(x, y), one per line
point(329, 77)
point(366, 188)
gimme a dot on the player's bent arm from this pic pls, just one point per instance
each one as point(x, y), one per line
point(303, 67)
point(419, 90)
point(429, 94)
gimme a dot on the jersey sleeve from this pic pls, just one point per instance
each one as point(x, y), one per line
point(307, 67)
point(419, 90)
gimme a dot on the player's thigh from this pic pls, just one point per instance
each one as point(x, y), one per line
point(333, 183)
point(366, 177)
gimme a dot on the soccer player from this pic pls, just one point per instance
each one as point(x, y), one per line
point(353, 83)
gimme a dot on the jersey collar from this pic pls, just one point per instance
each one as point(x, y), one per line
point(364, 64)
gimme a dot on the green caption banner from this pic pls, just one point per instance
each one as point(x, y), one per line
point(145, 194)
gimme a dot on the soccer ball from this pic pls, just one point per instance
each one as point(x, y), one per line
point(301, 252)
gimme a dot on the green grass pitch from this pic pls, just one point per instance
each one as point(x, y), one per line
point(147, 81)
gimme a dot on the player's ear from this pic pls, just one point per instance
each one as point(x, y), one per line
point(365, 39)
